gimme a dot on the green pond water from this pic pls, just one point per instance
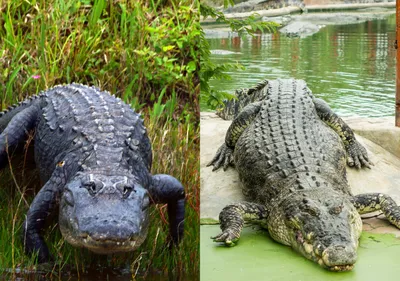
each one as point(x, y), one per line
point(258, 258)
point(352, 66)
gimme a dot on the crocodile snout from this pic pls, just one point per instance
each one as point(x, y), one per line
point(339, 257)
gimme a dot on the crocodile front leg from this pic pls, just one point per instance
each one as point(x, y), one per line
point(232, 218)
point(357, 155)
point(224, 155)
point(167, 189)
point(16, 131)
point(41, 208)
point(370, 202)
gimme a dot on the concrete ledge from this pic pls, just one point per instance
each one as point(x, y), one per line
point(308, 8)
point(261, 13)
point(218, 189)
point(342, 7)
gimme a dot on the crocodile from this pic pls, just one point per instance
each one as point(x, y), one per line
point(290, 150)
point(94, 158)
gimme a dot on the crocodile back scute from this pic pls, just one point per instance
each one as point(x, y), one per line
point(288, 146)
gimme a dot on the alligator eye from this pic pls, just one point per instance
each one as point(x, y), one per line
point(127, 191)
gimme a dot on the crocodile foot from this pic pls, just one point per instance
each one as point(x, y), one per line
point(223, 157)
point(357, 156)
point(228, 236)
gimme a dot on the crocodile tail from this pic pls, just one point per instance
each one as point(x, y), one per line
point(7, 114)
point(243, 97)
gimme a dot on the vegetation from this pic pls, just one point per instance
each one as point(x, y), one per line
point(209, 98)
point(146, 52)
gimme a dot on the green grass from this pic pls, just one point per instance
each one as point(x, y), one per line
point(146, 54)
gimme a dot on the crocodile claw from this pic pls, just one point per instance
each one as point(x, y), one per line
point(223, 157)
point(357, 156)
point(228, 237)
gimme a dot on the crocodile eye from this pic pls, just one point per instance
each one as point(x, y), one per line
point(336, 210)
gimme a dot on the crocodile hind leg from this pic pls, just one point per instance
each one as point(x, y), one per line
point(41, 208)
point(224, 155)
point(232, 218)
point(167, 189)
point(357, 155)
point(370, 202)
point(16, 131)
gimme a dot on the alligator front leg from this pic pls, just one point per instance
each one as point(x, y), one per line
point(232, 218)
point(167, 189)
point(357, 155)
point(224, 155)
point(16, 131)
point(370, 202)
point(41, 208)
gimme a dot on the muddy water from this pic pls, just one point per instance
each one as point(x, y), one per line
point(352, 67)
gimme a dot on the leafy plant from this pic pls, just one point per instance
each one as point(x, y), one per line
point(210, 98)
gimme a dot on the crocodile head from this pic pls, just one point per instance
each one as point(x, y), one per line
point(323, 227)
point(104, 213)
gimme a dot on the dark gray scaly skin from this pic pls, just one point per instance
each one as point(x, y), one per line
point(94, 155)
point(290, 150)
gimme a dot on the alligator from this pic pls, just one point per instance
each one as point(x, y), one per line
point(94, 156)
point(290, 150)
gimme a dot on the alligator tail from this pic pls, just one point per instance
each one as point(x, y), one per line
point(7, 114)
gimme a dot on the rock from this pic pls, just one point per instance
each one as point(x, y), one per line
point(223, 52)
point(300, 29)
point(218, 189)
point(282, 20)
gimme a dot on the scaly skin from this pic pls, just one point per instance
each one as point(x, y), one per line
point(94, 156)
point(290, 151)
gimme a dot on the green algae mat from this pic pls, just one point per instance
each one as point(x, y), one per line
point(257, 257)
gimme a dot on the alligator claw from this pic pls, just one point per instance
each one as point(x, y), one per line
point(358, 156)
point(223, 157)
point(228, 237)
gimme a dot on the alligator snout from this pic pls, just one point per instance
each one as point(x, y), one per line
point(118, 230)
point(339, 257)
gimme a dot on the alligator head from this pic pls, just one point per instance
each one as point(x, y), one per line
point(104, 213)
point(324, 228)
